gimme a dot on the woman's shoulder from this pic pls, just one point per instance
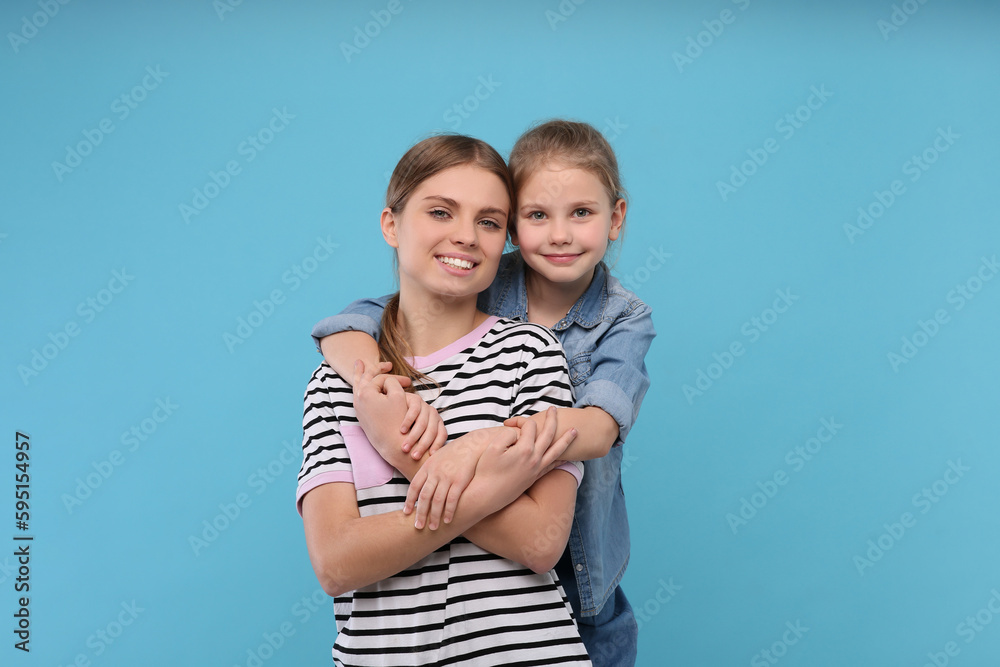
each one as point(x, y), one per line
point(523, 333)
point(325, 383)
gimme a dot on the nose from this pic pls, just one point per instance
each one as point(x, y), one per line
point(560, 232)
point(465, 232)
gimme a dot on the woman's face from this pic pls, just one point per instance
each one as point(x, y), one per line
point(450, 234)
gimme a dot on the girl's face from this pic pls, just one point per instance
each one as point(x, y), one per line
point(450, 234)
point(564, 223)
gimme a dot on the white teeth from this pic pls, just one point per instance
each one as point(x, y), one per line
point(457, 263)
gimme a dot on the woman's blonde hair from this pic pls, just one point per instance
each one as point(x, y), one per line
point(425, 159)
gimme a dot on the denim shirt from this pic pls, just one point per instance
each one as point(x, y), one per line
point(605, 336)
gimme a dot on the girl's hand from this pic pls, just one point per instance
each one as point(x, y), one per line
point(422, 428)
point(437, 486)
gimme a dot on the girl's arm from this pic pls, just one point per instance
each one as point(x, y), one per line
point(342, 349)
point(598, 431)
point(352, 336)
point(608, 400)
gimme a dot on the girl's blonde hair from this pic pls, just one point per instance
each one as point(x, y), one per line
point(571, 144)
point(425, 159)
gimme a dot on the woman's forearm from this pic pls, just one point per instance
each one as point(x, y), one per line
point(532, 530)
point(349, 551)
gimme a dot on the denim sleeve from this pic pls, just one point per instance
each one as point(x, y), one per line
point(363, 315)
point(618, 381)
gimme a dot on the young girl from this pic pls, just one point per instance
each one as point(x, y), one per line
point(405, 596)
point(570, 205)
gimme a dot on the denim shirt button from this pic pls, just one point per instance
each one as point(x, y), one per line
point(579, 567)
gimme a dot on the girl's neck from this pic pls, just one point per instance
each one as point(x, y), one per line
point(432, 322)
point(549, 302)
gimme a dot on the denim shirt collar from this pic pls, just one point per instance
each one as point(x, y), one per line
point(588, 311)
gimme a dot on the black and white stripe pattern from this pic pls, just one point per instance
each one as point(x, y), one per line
point(460, 604)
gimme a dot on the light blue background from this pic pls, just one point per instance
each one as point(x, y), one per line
point(706, 594)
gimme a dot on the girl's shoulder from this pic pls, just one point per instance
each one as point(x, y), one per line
point(619, 301)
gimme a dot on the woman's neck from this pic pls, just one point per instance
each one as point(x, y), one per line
point(549, 302)
point(432, 322)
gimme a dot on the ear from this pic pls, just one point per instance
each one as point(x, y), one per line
point(617, 219)
point(512, 230)
point(388, 224)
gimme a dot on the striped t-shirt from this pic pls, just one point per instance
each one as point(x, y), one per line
point(460, 604)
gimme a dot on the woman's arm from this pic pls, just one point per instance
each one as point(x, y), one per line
point(534, 529)
point(531, 530)
point(349, 551)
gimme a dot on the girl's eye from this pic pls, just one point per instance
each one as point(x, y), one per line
point(581, 212)
point(536, 215)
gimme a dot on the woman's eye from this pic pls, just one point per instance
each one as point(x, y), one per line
point(492, 224)
point(439, 213)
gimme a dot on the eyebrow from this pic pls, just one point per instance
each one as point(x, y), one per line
point(454, 204)
point(573, 205)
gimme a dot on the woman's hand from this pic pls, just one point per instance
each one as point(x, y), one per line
point(422, 428)
point(505, 471)
point(380, 402)
point(437, 486)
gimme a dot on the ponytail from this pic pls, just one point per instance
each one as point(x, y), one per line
point(392, 347)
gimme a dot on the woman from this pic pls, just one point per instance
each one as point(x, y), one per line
point(458, 594)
